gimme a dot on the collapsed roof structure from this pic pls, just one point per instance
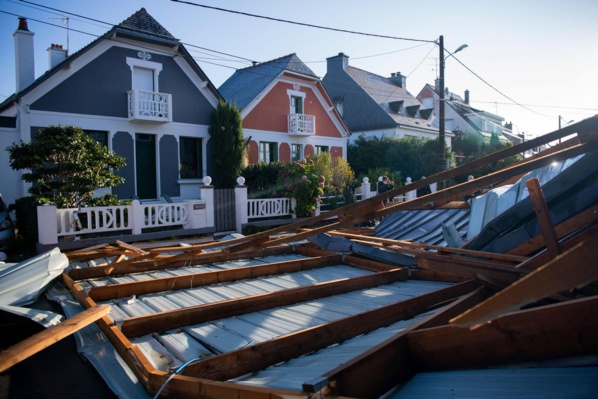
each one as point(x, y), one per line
point(269, 316)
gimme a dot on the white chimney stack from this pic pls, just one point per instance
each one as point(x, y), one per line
point(24, 62)
point(56, 54)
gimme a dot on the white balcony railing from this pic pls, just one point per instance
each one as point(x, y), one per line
point(150, 106)
point(302, 125)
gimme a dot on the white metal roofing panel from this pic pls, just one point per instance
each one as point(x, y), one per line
point(544, 383)
point(158, 356)
point(282, 258)
point(217, 338)
point(249, 331)
point(272, 323)
point(235, 264)
point(183, 346)
point(183, 299)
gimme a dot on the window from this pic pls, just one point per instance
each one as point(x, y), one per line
point(296, 105)
point(339, 107)
point(144, 73)
point(268, 152)
point(321, 148)
point(100, 137)
point(191, 166)
point(296, 150)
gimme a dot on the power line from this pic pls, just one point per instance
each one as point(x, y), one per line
point(300, 23)
point(498, 91)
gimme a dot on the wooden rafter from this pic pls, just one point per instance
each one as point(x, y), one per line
point(258, 356)
point(574, 268)
point(167, 320)
point(549, 332)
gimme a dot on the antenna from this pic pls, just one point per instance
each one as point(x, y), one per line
point(65, 20)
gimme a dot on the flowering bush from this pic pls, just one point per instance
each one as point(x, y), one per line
point(299, 180)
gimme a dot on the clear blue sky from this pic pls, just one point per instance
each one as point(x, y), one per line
point(542, 54)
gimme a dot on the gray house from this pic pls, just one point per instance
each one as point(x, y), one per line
point(136, 89)
point(374, 105)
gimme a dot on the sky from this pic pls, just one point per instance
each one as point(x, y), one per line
point(533, 62)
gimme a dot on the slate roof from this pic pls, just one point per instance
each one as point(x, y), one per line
point(142, 22)
point(247, 83)
point(385, 93)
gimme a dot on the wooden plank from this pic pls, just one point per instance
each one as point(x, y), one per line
point(550, 332)
point(575, 268)
point(543, 216)
point(429, 247)
point(261, 355)
point(563, 229)
point(124, 290)
point(132, 248)
point(30, 346)
point(189, 259)
point(140, 325)
point(390, 363)
point(444, 264)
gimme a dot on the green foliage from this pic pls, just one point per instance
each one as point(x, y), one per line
point(471, 147)
point(261, 179)
point(397, 158)
point(105, 200)
point(299, 180)
point(375, 173)
point(65, 165)
point(336, 171)
point(228, 145)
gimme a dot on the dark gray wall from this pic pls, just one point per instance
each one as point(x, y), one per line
point(123, 144)
point(169, 166)
point(100, 88)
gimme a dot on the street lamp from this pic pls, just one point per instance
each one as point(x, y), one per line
point(441, 117)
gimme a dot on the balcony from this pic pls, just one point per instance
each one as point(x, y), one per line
point(302, 125)
point(150, 106)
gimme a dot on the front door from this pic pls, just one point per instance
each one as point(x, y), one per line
point(145, 162)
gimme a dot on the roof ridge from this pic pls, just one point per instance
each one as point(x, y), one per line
point(141, 21)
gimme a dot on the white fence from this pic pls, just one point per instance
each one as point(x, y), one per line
point(189, 214)
point(137, 217)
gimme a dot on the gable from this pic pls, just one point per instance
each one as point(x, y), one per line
point(100, 87)
point(271, 111)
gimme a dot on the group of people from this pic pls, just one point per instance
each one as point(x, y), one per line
point(384, 184)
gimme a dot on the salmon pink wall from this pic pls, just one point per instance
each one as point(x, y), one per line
point(271, 112)
point(309, 150)
point(336, 152)
point(284, 153)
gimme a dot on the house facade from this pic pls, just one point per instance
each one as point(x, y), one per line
point(136, 89)
point(287, 114)
point(462, 118)
point(374, 105)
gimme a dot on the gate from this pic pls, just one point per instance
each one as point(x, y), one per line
point(224, 209)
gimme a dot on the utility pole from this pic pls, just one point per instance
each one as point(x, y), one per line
point(441, 117)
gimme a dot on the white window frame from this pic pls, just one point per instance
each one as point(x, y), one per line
point(296, 93)
point(137, 63)
point(273, 149)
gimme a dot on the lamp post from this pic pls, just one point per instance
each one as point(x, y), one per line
point(441, 105)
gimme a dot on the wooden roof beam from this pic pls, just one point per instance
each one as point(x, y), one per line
point(550, 332)
point(261, 355)
point(574, 268)
point(115, 291)
point(167, 320)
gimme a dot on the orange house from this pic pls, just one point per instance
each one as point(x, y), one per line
point(287, 114)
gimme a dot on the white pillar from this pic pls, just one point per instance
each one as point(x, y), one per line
point(241, 203)
point(207, 194)
point(47, 227)
point(137, 218)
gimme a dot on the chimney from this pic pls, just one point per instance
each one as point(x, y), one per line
point(24, 62)
point(338, 62)
point(437, 85)
point(56, 54)
point(467, 97)
point(399, 79)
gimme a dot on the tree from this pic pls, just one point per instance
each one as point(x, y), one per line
point(227, 144)
point(65, 165)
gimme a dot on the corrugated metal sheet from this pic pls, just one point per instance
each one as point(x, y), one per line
point(528, 383)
